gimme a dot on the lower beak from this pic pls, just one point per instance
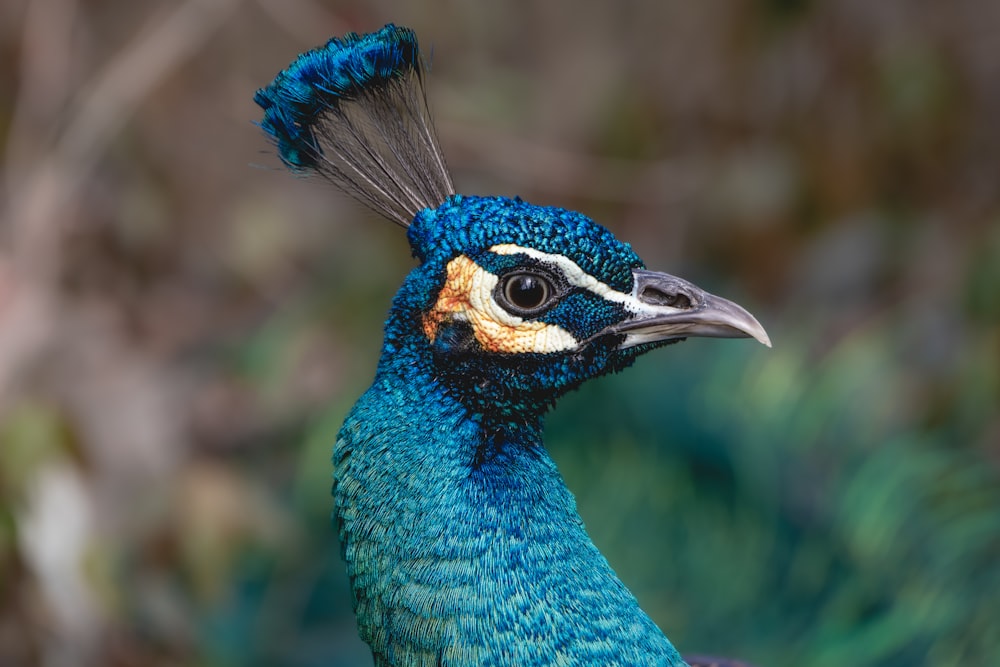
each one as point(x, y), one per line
point(667, 308)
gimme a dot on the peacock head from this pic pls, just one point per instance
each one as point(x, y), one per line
point(515, 304)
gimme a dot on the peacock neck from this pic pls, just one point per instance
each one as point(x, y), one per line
point(464, 545)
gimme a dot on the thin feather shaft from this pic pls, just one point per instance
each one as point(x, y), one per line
point(355, 112)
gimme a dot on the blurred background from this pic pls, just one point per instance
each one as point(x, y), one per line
point(183, 325)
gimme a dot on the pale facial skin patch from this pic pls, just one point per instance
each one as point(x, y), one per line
point(468, 295)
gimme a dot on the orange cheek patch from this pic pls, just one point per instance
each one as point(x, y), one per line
point(454, 296)
point(468, 294)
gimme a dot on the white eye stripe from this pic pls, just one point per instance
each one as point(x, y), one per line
point(571, 271)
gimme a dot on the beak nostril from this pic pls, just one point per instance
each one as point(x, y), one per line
point(658, 297)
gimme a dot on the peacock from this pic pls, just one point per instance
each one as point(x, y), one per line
point(461, 540)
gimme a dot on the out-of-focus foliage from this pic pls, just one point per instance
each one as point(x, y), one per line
point(181, 332)
point(793, 508)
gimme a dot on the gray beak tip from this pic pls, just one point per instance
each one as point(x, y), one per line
point(756, 331)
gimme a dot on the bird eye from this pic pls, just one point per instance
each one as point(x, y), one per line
point(523, 293)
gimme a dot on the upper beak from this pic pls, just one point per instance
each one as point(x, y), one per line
point(667, 308)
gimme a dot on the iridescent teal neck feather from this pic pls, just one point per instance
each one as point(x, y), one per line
point(457, 558)
point(463, 544)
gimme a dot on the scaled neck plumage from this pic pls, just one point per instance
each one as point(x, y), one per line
point(463, 545)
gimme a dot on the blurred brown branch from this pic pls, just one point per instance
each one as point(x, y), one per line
point(46, 164)
point(39, 192)
point(299, 18)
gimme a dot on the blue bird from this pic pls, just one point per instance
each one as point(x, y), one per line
point(462, 542)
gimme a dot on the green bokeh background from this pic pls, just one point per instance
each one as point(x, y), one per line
point(183, 325)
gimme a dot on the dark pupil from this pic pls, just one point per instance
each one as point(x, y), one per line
point(526, 292)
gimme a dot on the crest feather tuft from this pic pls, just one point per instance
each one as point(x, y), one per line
point(355, 112)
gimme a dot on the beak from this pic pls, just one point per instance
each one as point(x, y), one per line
point(668, 308)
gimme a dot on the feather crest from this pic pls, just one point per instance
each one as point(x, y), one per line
point(354, 111)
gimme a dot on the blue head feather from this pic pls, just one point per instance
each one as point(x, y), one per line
point(465, 224)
